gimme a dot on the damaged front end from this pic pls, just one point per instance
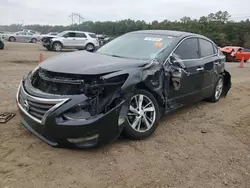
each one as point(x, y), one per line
point(94, 113)
point(102, 94)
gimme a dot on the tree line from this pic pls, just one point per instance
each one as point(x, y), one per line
point(217, 26)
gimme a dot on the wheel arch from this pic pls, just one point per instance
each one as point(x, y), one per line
point(89, 43)
point(227, 82)
point(53, 42)
point(157, 96)
point(11, 37)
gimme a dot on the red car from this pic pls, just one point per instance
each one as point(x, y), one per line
point(235, 53)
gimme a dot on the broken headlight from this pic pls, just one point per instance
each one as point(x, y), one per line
point(34, 70)
point(102, 97)
point(80, 111)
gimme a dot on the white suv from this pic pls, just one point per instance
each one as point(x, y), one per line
point(71, 40)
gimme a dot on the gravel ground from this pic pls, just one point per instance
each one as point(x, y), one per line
point(201, 145)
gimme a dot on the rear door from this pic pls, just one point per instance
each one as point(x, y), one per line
point(191, 84)
point(212, 63)
point(81, 40)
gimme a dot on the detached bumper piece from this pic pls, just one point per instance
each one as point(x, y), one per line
point(6, 116)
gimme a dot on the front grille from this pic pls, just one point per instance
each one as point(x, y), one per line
point(36, 107)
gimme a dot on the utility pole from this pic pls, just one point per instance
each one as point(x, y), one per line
point(76, 18)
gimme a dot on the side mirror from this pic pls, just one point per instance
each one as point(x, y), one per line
point(176, 62)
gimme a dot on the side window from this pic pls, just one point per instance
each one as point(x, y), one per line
point(207, 48)
point(215, 49)
point(188, 49)
point(81, 35)
point(93, 36)
point(70, 34)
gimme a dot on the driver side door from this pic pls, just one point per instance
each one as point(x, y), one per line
point(69, 39)
point(192, 77)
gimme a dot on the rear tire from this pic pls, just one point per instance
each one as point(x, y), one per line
point(12, 39)
point(143, 115)
point(90, 47)
point(218, 90)
point(1, 45)
point(33, 40)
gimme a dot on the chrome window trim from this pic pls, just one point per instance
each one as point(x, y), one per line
point(57, 102)
point(187, 59)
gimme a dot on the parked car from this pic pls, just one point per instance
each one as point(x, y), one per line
point(2, 34)
point(87, 99)
point(236, 53)
point(23, 36)
point(71, 40)
point(49, 34)
point(1, 44)
point(31, 31)
point(242, 53)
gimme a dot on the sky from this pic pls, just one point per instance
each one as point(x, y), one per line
point(56, 12)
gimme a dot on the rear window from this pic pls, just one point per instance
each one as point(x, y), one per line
point(92, 35)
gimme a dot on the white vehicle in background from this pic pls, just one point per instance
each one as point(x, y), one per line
point(71, 40)
point(23, 36)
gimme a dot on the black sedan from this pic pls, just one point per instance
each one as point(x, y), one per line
point(87, 99)
point(1, 45)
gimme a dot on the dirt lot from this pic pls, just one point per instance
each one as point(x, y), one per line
point(202, 145)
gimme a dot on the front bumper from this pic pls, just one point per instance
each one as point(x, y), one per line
point(47, 45)
point(55, 131)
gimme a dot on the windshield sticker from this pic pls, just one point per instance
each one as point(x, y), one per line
point(153, 39)
point(158, 44)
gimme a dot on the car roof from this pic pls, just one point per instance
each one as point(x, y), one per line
point(164, 32)
point(79, 32)
point(172, 33)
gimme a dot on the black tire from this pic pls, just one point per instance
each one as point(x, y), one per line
point(130, 132)
point(213, 98)
point(1, 45)
point(57, 46)
point(34, 40)
point(12, 39)
point(90, 47)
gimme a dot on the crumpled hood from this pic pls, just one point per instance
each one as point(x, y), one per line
point(82, 62)
point(50, 36)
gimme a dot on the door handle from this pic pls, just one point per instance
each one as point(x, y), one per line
point(200, 69)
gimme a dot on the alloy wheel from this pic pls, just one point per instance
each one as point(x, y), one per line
point(90, 47)
point(219, 89)
point(142, 114)
point(57, 47)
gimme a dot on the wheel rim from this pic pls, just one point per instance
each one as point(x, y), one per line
point(141, 115)
point(219, 89)
point(12, 39)
point(34, 40)
point(90, 47)
point(57, 47)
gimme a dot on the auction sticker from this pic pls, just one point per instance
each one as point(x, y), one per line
point(153, 39)
point(158, 44)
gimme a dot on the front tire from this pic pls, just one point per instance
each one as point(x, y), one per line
point(57, 46)
point(218, 90)
point(143, 115)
